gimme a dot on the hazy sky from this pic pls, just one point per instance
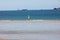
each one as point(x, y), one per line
point(28, 4)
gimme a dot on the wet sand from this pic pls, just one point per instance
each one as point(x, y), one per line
point(30, 32)
point(7, 39)
point(50, 33)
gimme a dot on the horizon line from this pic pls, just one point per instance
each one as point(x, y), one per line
point(24, 9)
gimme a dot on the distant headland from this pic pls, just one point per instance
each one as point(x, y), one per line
point(57, 8)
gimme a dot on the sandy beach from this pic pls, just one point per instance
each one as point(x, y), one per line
point(29, 29)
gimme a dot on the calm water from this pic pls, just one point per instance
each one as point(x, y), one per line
point(33, 14)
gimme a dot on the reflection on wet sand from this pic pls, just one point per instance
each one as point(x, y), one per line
point(7, 39)
point(29, 32)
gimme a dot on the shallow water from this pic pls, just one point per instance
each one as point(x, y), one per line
point(31, 27)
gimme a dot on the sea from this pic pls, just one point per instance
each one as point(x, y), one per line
point(30, 14)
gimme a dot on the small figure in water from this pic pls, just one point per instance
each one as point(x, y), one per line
point(28, 17)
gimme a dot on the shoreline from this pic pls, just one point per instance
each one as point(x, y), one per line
point(30, 21)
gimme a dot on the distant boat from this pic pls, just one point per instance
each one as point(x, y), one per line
point(18, 9)
point(24, 9)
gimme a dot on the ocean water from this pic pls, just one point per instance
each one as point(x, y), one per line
point(33, 15)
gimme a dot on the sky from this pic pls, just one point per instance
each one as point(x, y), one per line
point(28, 4)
